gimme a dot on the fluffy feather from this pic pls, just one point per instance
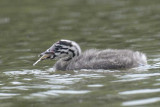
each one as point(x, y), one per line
point(70, 57)
point(103, 59)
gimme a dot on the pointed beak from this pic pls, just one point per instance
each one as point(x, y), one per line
point(45, 55)
point(41, 58)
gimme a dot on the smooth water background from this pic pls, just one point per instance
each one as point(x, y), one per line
point(28, 27)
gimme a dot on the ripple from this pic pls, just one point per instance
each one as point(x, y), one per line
point(24, 72)
point(140, 75)
point(65, 28)
point(155, 60)
point(141, 102)
point(22, 50)
point(16, 83)
point(127, 80)
point(157, 79)
point(1, 84)
point(46, 77)
point(156, 65)
point(9, 88)
point(35, 86)
point(95, 85)
point(22, 43)
point(135, 77)
point(98, 70)
point(59, 79)
point(27, 79)
point(25, 57)
point(156, 84)
point(57, 92)
point(7, 95)
point(63, 81)
point(4, 20)
point(90, 75)
point(142, 91)
point(68, 21)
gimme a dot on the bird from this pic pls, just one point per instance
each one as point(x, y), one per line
point(70, 57)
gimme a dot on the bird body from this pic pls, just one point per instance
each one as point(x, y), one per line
point(103, 59)
point(70, 57)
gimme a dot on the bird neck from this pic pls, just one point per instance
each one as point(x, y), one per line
point(68, 59)
point(73, 55)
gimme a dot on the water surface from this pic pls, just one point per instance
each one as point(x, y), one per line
point(29, 27)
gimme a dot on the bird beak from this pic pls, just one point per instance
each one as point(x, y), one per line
point(44, 55)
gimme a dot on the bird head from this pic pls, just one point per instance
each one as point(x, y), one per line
point(63, 49)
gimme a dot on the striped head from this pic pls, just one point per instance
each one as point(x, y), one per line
point(63, 49)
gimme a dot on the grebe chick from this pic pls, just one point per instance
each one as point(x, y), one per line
point(69, 56)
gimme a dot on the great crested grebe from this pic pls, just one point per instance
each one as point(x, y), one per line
point(69, 56)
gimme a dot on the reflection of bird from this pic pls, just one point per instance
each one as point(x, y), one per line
point(70, 57)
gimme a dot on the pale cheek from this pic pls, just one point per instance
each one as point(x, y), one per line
point(62, 55)
point(58, 55)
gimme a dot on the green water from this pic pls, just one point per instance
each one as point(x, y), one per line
point(28, 27)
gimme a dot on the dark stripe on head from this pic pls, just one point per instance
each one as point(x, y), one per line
point(72, 52)
point(63, 52)
point(64, 48)
point(65, 43)
point(58, 51)
point(77, 51)
point(58, 46)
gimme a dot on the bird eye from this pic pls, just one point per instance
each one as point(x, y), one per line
point(56, 49)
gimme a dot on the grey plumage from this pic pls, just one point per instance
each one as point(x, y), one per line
point(103, 59)
point(94, 58)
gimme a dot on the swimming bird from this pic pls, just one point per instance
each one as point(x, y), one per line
point(69, 56)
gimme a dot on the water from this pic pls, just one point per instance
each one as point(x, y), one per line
point(29, 27)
